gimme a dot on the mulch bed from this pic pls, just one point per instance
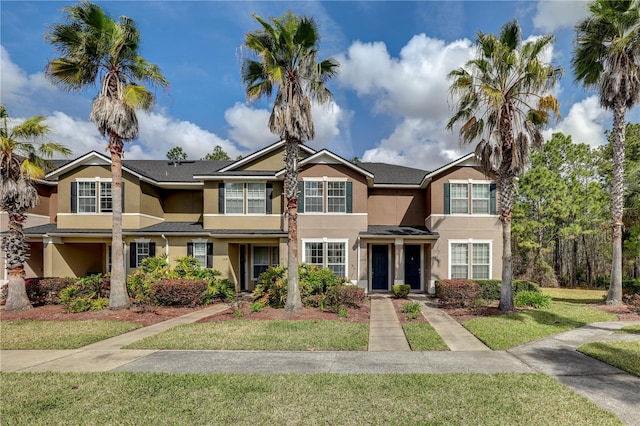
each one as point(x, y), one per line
point(397, 304)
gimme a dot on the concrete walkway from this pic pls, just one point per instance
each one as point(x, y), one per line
point(385, 331)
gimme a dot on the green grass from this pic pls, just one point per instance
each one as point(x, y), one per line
point(509, 330)
point(269, 399)
point(624, 355)
point(630, 329)
point(573, 295)
point(58, 334)
point(422, 337)
point(261, 335)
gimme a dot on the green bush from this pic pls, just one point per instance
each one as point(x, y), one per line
point(87, 293)
point(344, 296)
point(186, 267)
point(401, 291)
point(533, 299)
point(631, 285)
point(180, 292)
point(67, 295)
point(315, 281)
point(458, 293)
point(256, 306)
point(219, 289)
point(151, 270)
point(271, 288)
point(412, 309)
point(491, 288)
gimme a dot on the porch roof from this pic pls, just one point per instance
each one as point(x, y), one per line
point(386, 231)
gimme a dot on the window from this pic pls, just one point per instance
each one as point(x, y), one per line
point(462, 252)
point(91, 197)
point(234, 197)
point(313, 196)
point(480, 198)
point(329, 254)
point(202, 250)
point(140, 250)
point(256, 198)
point(263, 258)
point(336, 197)
point(459, 198)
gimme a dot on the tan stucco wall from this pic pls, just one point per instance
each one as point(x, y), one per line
point(272, 222)
point(182, 205)
point(437, 185)
point(74, 260)
point(150, 200)
point(397, 206)
point(33, 267)
point(272, 161)
point(359, 183)
point(464, 228)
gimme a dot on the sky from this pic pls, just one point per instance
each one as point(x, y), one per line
point(390, 98)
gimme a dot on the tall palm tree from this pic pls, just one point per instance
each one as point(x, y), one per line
point(607, 57)
point(283, 55)
point(98, 50)
point(502, 101)
point(22, 161)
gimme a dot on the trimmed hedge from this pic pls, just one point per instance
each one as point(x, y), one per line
point(401, 291)
point(458, 293)
point(42, 291)
point(181, 292)
point(491, 288)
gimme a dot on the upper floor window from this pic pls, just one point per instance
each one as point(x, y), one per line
point(94, 196)
point(245, 198)
point(469, 197)
point(325, 196)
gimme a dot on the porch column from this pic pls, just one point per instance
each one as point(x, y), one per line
point(398, 277)
point(363, 265)
point(48, 253)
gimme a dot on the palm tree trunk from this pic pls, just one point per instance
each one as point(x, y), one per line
point(614, 297)
point(118, 297)
point(15, 249)
point(294, 303)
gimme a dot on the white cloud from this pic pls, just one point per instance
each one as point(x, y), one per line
point(249, 126)
point(556, 14)
point(585, 123)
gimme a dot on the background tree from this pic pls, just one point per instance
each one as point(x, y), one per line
point(502, 98)
point(22, 160)
point(607, 57)
point(217, 154)
point(177, 154)
point(283, 55)
point(559, 215)
point(96, 49)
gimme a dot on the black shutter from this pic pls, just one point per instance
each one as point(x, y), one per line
point(492, 198)
point(447, 199)
point(132, 255)
point(209, 255)
point(152, 249)
point(268, 192)
point(190, 249)
point(300, 197)
point(74, 197)
point(349, 197)
point(221, 198)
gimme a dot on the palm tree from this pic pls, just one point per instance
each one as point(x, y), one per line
point(502, 100)
point(22, 161)
point(96, 49)
point(283, 55)
point(607, 57)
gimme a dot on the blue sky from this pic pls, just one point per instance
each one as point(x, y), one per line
point(390, 98)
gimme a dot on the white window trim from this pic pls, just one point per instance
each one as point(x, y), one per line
point(343, 197)
point(263, 198)
point(226, 197)
point(97, 180)
point(470, 241)
point(138, 241)
point(200, 241)
point(472, 199)
point(470, 183)
point(325, 196)
point(324, 249)
point(245, 199)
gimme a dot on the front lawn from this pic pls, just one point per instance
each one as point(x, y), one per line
point(624, 355)
point(270, 399)
point(630, 329)
point(276, 335)
point(422, 337)
point(569, 309)
point(58, 334)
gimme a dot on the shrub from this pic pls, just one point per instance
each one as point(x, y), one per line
point(223, 290)
point(458, 293)
point(271, 288)
point(67, 296)
point(151, 270)
point(412, 309)
point(631, 285)
point(179, 292)
point(343, 312)
point(491, 288)
point(524, 285)
point(401, 291)
point(256, 307)
point(186, 267)
point(344, 295)
point(315, 280)
point(533, 299)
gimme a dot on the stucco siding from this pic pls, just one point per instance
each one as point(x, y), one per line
point(456, 173)
point(396, 207)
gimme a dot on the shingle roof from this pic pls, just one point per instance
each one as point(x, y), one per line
point(397, 231)
point(392, 174)
point(168, 171)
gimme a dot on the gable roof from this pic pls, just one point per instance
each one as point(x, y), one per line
point(264, 151)
point(391, 174)
point(327, 157)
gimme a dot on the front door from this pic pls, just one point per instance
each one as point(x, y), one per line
point(379, 267)
point(412, 266)
point(243, 267)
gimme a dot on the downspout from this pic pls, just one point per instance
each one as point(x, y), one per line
point(166, 245)
point(358, 261)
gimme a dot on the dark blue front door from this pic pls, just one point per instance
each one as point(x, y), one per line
point(379, 267)
point(412, 266)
